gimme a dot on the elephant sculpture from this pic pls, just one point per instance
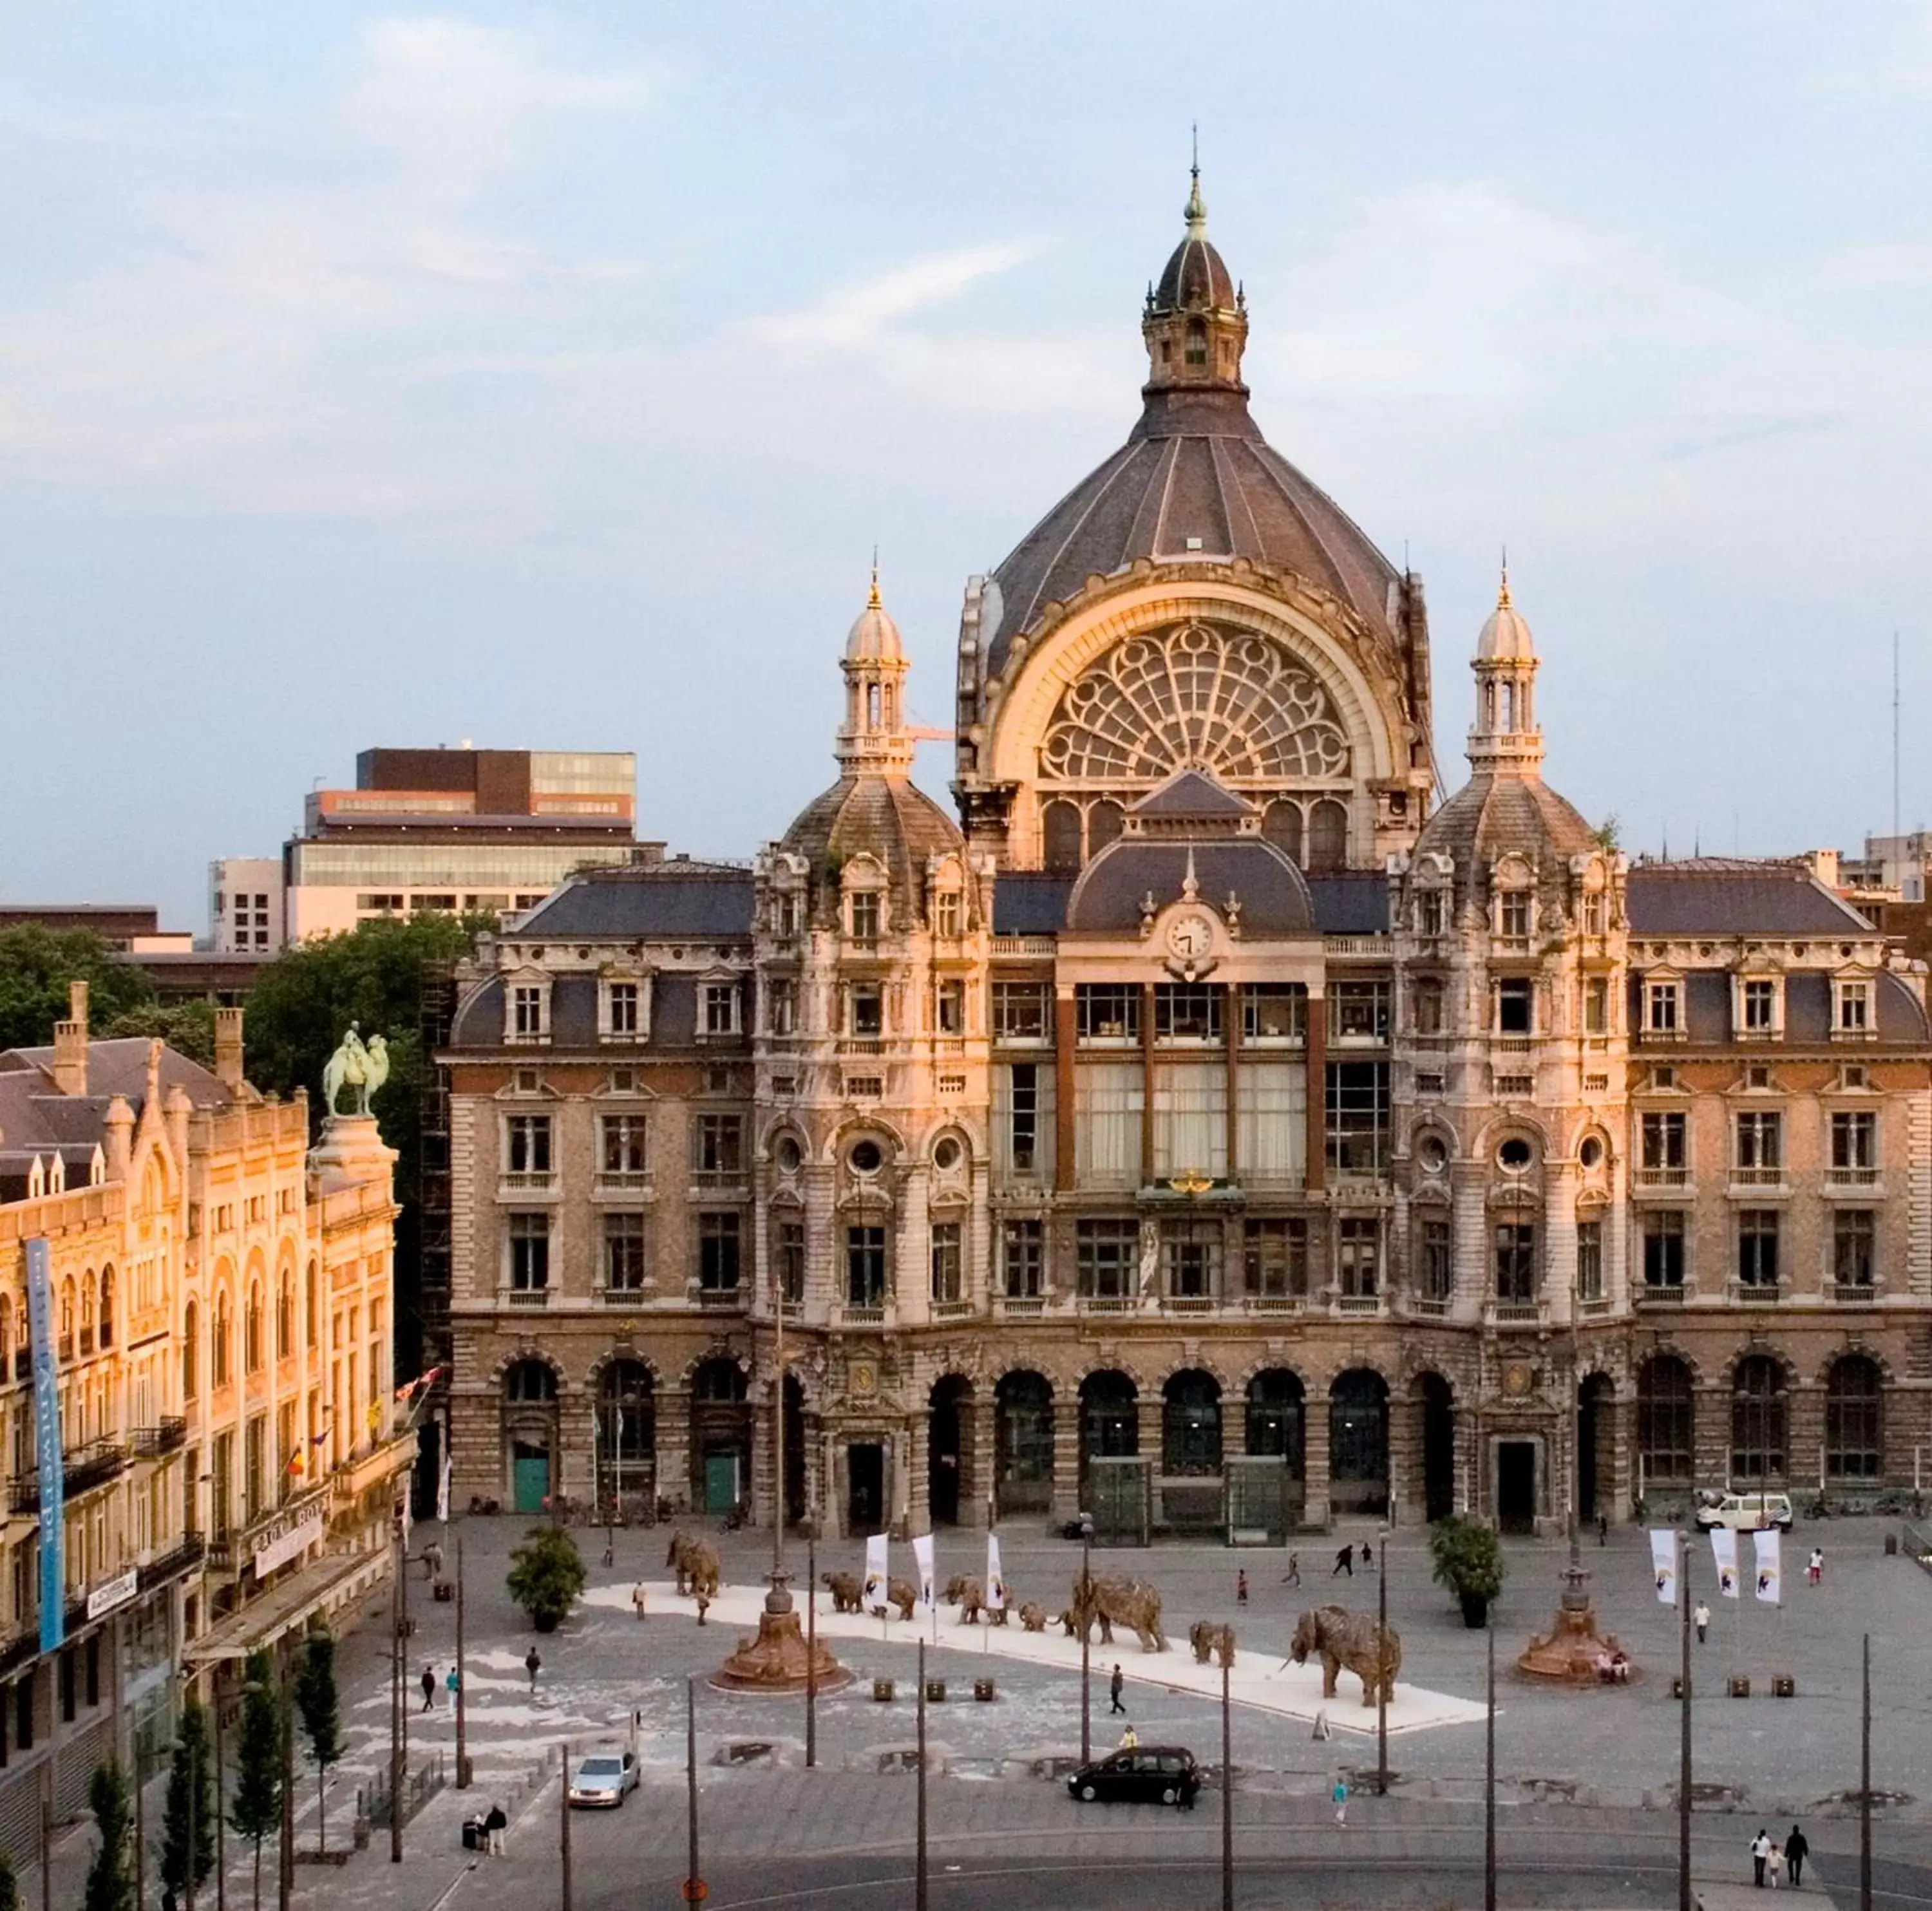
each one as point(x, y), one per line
point(847, 1593)
point(903, 1594)
point(1207, 1637)
point(1033, 1617)
point(968, 1596)
point(1341, 1638)
point(1131, 1603)
point(696, 1564)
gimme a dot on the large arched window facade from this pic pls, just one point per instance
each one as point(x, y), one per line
point(1191, 1423)
point(626, 1431)
point(285, 1316)
point(1667, 1421)
point(106, 1307)
point(221, 1348)
point(1358, 1442)
point(1757, 1419)
point(1854, 1419)
point(252, 1329)
point(1023, 1433)
point(529, 1382)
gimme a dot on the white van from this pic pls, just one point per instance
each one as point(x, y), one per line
point(1747, 1512)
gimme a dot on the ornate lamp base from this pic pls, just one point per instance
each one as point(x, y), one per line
point(1574, 1650)
point(775, 1661)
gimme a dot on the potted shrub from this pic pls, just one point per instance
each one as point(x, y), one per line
point(547, 1574)
point(1469, 1562)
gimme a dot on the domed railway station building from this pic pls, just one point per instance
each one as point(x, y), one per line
point(1202, 1123)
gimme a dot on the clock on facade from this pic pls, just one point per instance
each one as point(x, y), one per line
point(1190, 936)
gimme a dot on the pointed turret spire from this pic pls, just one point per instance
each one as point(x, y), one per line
point(1505, 738)
point(1195, 212)
point(1195, 320)
point(873, 739)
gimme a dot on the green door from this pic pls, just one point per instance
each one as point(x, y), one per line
point(721, 1482)
point(530, 1472)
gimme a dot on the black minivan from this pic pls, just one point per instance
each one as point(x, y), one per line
point(1148, 1775)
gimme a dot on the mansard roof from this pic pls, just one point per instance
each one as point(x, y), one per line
point(1727, 896)
point(649, 901)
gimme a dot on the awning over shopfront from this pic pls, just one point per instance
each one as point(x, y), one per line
point(330, 1581)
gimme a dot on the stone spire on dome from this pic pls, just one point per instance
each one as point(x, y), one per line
point(1196, 323)
point(874, 740)
point(1505, 738)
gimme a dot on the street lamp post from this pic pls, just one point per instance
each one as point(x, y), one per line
point(1086, 1628)
point(811, 1640)
point(1381, 1671)
point(1684, 1899)
point(462, 1679)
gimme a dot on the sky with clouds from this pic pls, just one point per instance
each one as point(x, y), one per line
point(545, 376)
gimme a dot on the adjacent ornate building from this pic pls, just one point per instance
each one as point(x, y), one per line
point(1212, 1129)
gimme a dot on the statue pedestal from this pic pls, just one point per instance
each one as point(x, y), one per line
point(351, 1150)
point(775, 1662)
point(1569, 1650)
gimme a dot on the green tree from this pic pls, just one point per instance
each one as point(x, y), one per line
point(187, 1027)
point(36, 966)
point(1469, 1562)
point(10, 1889)
point(256, 1809)
point(1608, 834)
point(190, 1793)
point(547, 1574)
point(322, 1720)
point(110, 1878)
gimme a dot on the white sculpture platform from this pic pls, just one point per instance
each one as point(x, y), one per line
point(1258, 1678)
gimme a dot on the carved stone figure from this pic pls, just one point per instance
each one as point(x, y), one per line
point(697, 1567)
point(1130, 1603)
point(847, 1593)
point(1033, 1617)
point(355, 1065)
point(968, 1595)
point(1340, 1638)
point(1207, 1637)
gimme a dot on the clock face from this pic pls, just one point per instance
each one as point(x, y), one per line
point(1190, 936)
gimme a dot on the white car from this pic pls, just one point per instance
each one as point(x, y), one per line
point(1747, 1512)
point(603, 1779)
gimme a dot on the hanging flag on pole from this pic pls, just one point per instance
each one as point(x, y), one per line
point(921, 1558)
point(442, 1490)
point(996, 1584)
point(877, 1574)
point(1767, 1551)
point(1724, 1555)
point(1664, 1563)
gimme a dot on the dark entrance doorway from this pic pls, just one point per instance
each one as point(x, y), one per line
point(1438, 1448)
point(946, 1461)
point(1593, 1414)
point(865, 1488)
point(1358, 1446)
point(1515, 1486)
point(794, 1450)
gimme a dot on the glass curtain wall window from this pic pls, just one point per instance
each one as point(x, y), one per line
point(1022, 1011)
point(1271, 1122)
point(1357, 1111)
point(1190, 1120)
point(1107, 1123)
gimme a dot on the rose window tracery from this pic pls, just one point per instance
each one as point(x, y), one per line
point(1239, 705)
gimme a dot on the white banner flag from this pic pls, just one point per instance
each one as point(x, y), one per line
point(996, 1583)
point(1664, 1563)
point(877, 1577)
point(1767, 1553)
point(922, 1555)
point(442, 1491)
point(1724, 1554)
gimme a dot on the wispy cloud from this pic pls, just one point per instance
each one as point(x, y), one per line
point(860, 314)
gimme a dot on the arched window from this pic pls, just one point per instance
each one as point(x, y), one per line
point(1854, 1426)
point(1328, 836)
point(1666, 1421)
point(720, 1381)
point(1104, 823)
point(529, 1382)
point(1061, 832)
point(1757, 1419)
point(1023, 1435)
point(1281, 825)
point(221, 1349)
point(107, 1307)
point(285, 1317)
point(311, 1309)
point(1358, 1440)
point(6, 1336)
point(190, 1353)
point(1197, 342)
point(66, 1350)
point(626, 1428)
point(1275, 1418)
point(87, 1312)
point(251, 1329)
point(1191, 1423)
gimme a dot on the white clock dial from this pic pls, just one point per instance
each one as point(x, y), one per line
point(1190, 936)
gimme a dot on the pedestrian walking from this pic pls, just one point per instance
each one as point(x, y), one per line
point(1760, 1851)
point(637, 1599)
point(1339, 1795)
point(1797, 1849)
point(1241, 1588)
point(1700, 1617)
point(533, 1664)
point(1814, 1571)
point(1602, 1529)
point(495, 1824)
point(429, 1688)
point(1129, 1739)
point(1368, 1558)
point(1345, 1562)
point(1114, 1685)
point(1774, 1866)
point(1293, 1576)
point(451, 1683)
point(432, 1560)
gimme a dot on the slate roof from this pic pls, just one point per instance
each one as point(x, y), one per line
point(1273, 896)
point(1716, 896)
point(1492, 815)
point(710, 900)
point(1807, 1009)
point(1031, 902)
point(889, 817)
point(1192, 793)
point(1352, 902)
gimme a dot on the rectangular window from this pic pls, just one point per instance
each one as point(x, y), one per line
point(1589, 1260)
point(1023, 1260)
point(221, 1499)
point(719, 1242)
point(622, 1001)
point(623, 1144)
point(1022, 1122)
point(782, 1006)
point(1190, 1120)
point(720, 1008)
point(1022, 1011)
point(1438, 1268)
point(1431, 912)
point(1190, 1252)
point(948, 1008)
point(1513, 913)
point(788, 917)
point(1760, 1145)
point(1596, 1006)
point(1425, 1001)
point(946, 913)
point(865, 1267)
point(1660, 1001)
point(1596, 911)
point(530, 1254)
point(1855, 1145)
point(1274, 1259)
point(1358, 1254)
point(717, 1146)
point(865, 915)
point(1854, 1247)
point(790, 1251)
point(1108, 1101)
point(528, 1150)
point(1271, 1122)
point(1757, 1247)
point(1662, 1157)
point(526, 1009)
point(624, 1254)
point(865, 1010)
point(1516, 1262)
point(1357, 1117)
point(1516, 996)
point(254, 1442)
point(1107, 1255)
point(1106, 1012)
point(1759, 1001)
point(1273, 1011)
point(1186, 1011)
point(1851, 1014)
point(1358, 1011)
point(1663, 1248)
point(946, 1262)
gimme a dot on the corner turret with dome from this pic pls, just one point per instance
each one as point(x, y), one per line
point(1194, 602)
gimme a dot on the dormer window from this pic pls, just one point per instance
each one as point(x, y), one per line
point(1662, 1007)
point(788, 915)
point(1852, 1009)
point(864, 915)
point(947, 913)
point(720, 1008)
point(1430, 913)
point(781, 1006)
point(529, 1012)
point(622, 1005)
point(1758, 1006)
point(1596, 911)
point(1512, 914)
